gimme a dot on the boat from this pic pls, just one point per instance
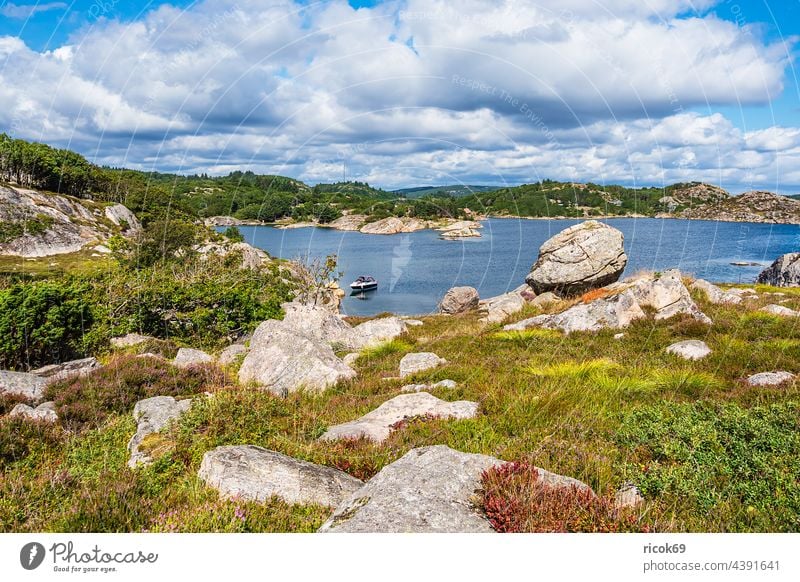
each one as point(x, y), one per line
point(364, 283)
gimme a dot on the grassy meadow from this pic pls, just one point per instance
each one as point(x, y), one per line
point(708, 452)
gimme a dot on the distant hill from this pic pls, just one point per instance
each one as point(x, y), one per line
point(749, 207)
point(452, 190)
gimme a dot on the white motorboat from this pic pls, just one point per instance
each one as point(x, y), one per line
point(364, 283)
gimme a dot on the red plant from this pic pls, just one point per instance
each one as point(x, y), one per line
point(516, 500)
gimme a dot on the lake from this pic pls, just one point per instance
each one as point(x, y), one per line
point(415, 270)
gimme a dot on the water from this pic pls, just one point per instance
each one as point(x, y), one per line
point(416, 269)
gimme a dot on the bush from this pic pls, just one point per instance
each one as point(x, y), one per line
point(42, 322)
point(115, 388)
point(516, 500)
point(19, 437)
point(723, 462)
point(233, 234)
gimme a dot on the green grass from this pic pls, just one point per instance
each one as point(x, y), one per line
point(709, 452)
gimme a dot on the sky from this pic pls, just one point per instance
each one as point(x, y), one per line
point(403, 93)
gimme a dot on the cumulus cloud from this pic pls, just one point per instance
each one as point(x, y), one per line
point(412, 91)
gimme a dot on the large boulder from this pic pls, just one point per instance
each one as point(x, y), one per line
point(614, 312)
point(58, 372)
point(500, 307)
point(784, 272)
point(419, 362)
point(376, 331)
point(377, 425)
point(317, 323)
point(28, 386)
point(459, 300)
point(428, 490)
point(256, 474)
point(123, 217)
point(667, 295)
point(580, 258)
point(153, 415)
point(283, 360)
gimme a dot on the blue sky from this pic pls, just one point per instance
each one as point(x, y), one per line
point(410, 92)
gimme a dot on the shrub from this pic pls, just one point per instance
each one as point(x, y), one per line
point(115, 388)
point(19, 437)
point(233, 234)
point(719, 461)
point(44, 321)
point(516, 500)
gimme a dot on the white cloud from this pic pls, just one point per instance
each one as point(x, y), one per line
point(411, 92)
point(25, 11)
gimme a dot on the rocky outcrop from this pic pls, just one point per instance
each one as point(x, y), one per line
point(376, 331)
point(419, 362)
point(45, 412)
point(252, 258)
point(190, 357)
point(749, 207)
point(58, 372)
point(428, 490)
point(666, 295)
point(783, 272)
point(614, 312)
point(348, 222)
point(28, 386)
point(714, 294)
point(460, 230)
point(394, 225)
point(283, 360)
point(690, 349)
point(253, 473)
point(770, 378)
point(377, 425)
point(153, 415)
point(459, 300)
point(35, 224)
point(580, 258)
point(317, 323)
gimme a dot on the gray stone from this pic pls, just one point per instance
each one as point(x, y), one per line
point(770, 378)
point(256, 474)
point(428, 490)
point(377, 425)
point(21, 384)
point(690, 349)
point(282, 360)
point(190, 357)
point(351, 358)
point(376, 331)
point(419, 362)
point(783, 272)
point(58, 372)
point(580, 258)
point(780, 310)
point(546, 298)
point(628, 497)
point(231, 354)
point(317, 323)
point(130, 340)
point(668, 296)
point(122, 216)
point(500, 307)
point(45, 412)
point(715, 294)
point(152, 416)
point(459, 300)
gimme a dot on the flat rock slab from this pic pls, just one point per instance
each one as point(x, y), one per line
point(428, 490)
point(29, 386)
point(152, 415)
point(45, 412)
point(190, 357)
point(780, 310)
point(283, 361)
point(377, 425)
point(770, 378)
point(419, 362)
point(58, 372)
point(424, 387)
point(257, 474)
point(690, 349)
